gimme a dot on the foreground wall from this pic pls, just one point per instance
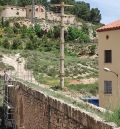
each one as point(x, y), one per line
point(34, 110)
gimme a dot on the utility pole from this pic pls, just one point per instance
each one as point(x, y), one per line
point(62, 40)
point(33, 12)
point(16, 2)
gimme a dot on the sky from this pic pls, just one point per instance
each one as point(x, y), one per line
point(110, 9)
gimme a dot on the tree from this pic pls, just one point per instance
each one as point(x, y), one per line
point(28, 2)
point(82, 10)
point(95, 16)
point(66, 1)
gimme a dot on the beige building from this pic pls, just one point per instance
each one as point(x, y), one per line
point(39, 12)
point(13, 11)
point(109, 65)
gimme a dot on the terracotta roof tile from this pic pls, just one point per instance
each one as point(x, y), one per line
point(112, 26)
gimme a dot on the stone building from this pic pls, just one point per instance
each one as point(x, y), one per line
point(13, 11)
point(109, 65)
point(57, 18)
point(39, 12)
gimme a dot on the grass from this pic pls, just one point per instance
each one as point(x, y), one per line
point(114, 116)
point(84, 88)
point(45, 66)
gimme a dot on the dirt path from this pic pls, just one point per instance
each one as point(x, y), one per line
point(19, 65)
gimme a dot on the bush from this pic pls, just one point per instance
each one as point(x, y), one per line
point(17, 44)
point(6, 43)
point(78, 35)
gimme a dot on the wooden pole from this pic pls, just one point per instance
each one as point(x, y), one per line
point(62, 72)
point(33, 12)
point(62, 40)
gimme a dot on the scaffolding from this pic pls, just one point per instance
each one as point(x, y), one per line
point(8, 108)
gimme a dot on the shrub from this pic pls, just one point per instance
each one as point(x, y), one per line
point(6, 43)
point(17, 44)
point(78, 35)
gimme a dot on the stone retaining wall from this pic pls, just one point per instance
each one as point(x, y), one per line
point(35, 110)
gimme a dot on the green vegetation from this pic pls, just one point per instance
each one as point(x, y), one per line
point(21, 2)
point(45, 66)
point(85, 88)
point(114, 116)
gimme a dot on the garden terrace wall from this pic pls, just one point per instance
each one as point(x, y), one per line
point(35, 110)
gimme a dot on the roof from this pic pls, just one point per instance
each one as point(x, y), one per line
point(112, 26)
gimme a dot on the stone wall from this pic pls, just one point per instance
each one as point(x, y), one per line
point(35, 110)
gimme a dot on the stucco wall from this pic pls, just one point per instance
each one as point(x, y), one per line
point(109, 101)
point(35, 110)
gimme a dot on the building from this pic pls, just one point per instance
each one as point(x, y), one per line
point(68, 19)
point(109, 65)
point(39, 12)
point(13, 11)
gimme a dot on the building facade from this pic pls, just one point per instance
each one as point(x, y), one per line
point(39, 12)
point(13, 11)
point(109, 65)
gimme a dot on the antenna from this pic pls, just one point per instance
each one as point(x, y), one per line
point(62, 40)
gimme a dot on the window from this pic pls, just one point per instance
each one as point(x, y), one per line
point(36, 9)
point(30, 10)
point(107, 87)
point(17, 13)
point(108, 56)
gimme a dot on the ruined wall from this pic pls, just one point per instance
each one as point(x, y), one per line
point(34, 110)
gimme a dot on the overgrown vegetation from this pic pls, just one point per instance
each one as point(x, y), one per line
point(114, 116)
point(85, 88)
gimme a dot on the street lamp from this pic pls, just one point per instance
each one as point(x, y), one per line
point(109, 70)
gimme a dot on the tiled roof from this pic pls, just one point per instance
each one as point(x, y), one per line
point(112, 26)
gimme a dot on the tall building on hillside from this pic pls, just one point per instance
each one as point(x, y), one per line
point(109, 65)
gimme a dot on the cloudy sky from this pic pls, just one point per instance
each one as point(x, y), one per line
point(110, 9)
